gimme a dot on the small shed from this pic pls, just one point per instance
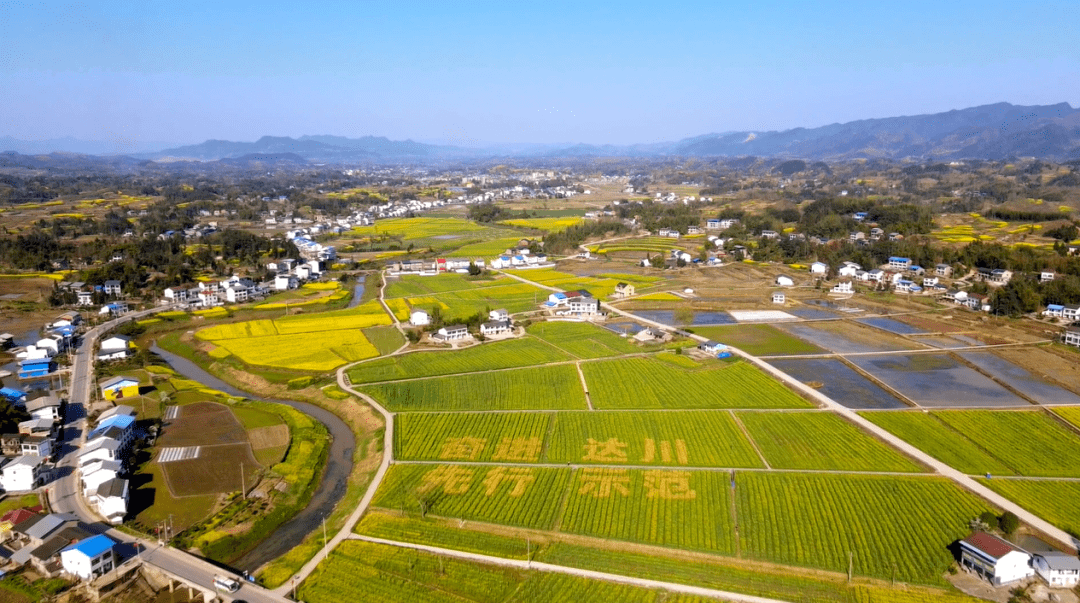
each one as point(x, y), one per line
point(994, 558)
point(778, 298)
point(784, 281)
point(119, 387)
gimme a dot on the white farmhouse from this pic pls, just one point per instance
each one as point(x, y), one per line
point(89, 558)
point(819, 268)
point(1059, 570)
point(995, 559)
point(784, 281)
point(23, 473)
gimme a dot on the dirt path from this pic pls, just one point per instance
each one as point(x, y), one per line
point(584, 386)
point(538, 566)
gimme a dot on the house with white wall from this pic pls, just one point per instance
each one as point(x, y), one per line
point(995, 559)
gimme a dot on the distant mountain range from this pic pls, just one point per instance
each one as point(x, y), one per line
point(998, 131)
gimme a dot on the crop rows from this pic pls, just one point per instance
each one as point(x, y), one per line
point(512, 353)
point(365, 572)
point(473, 437)
point(1031, 442)
point(681, 509)
point(303, 351)
point(650, 383)
point(582, 339)
point(1054, 501)
point(546, 586)
point(526, 497)
point(692, 438)
point(543, 388)
point(400, 308)
point(820, 440)
point(439, 533)
point(930, 435)
point(888, 523)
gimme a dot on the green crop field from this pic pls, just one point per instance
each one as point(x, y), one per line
point(1054, 501)
point(726, 574)
point(1069, 413)
point(518, 496)
point(511, 353)
point(544, 586)
point(411, 285)
point(400, 308)
point(684, 509)
point(758, 339)
point(441, 533)
point(471, 437)
point(691, 438)
point(651, 383)
point(927, 433)
point(1031, 442)
point(583, 339)
point(820, 440)
point(485, 249)
point(889, 523)
point(385, 339)
point(374, 573)
point(542, 388)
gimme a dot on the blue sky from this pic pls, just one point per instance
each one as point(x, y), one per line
point(472, 73)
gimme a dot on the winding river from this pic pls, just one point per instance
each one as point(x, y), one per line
point(330, 490)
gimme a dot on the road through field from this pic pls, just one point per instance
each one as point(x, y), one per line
point(538, 566)
point(956, 476)
point(331, 488)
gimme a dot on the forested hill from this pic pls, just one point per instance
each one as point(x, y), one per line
point(998, 131)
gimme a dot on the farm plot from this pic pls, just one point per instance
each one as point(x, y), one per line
point(321, 351)
point(543, 388)
point(936, 381)
point(844, 337)
point(650, 383)
point(692, 438)
point(684, 509)
point(512, 353)
point(223, 450)
point(511, 437)
point(373, 573)
point(1020, 379)
point(518, 496)
point(758, 339)
point(582, 339)
point(202, 424)
point(516, 297)
point(1031, 442)
point(820, 440)
point(484, 249)
point(840, 382)
point(546, 224)
point(927, 433)
point(410, 285)
point(891, 325)
point(891, 524)
point(442, 533)
point(1054, 501)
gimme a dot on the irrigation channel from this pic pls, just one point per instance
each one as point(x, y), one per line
point(330, 490)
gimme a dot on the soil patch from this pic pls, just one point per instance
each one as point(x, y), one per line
point(269, 437)
point(203, 424)
point(216, 470)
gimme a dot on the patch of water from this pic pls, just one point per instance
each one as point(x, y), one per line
point(937, 381)
point(839, 382)
point(667, 317)
point(833, 342)
point(893, 326)
point(813, 313)
point(358, 292)
point(1020, 379)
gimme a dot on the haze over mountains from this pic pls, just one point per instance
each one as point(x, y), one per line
point(995, 132)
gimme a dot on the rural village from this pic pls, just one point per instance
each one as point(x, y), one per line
point(789, 381)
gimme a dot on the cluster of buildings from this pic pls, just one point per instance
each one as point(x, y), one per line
point(498, 324)
point(1002, 562)
point(55, 544)
point(573, 303)
point(104, 457)
point(436, 266)
point(26, 463)
point(208, 294)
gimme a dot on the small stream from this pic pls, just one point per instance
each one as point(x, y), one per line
point(358, 292)
point(339, 464)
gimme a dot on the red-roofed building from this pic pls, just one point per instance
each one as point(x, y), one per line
point(995, 559)
point(17, 516)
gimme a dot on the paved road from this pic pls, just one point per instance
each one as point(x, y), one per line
point(354, 517)
point(537, 566)
point(961, 479)
point(64, 495)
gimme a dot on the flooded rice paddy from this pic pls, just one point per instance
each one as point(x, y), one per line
point(1020, 379)
point(937, 381)
point(839, 382)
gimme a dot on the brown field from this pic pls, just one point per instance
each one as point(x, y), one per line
point(273, 436)
point(217, 470)
point(1057, 366)
point(203, 424)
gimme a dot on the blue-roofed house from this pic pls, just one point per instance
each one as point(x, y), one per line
point(89, 558)
point(1054, 310)
point(118, 427)
point(35, 367)
point(13, 396)
point(899, 263)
